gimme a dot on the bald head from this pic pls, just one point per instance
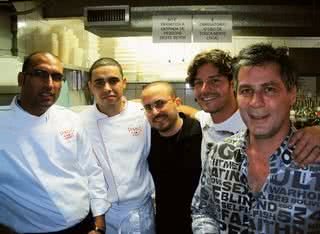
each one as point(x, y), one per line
point(31, 58)
point(166, 86)
point(40, 81)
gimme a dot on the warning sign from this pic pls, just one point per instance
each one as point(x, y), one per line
point(171, 28)
point(212, 28)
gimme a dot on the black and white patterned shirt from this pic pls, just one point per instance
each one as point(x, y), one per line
point(289, 201)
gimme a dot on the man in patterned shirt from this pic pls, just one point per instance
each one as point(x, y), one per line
point(250, 184)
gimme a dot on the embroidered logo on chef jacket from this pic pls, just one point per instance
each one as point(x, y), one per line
point(67, 134)
point(137, 126)
point(135, 131)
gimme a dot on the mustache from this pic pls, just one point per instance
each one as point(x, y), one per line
point(158, 116)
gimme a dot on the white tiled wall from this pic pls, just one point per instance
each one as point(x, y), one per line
point(145, 61)
point(151, 60)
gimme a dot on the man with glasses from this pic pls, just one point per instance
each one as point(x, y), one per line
point(121, 136)
point(174, 159)
point(49, 176)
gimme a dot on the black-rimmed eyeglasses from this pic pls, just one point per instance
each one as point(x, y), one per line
point(58, 77)
point(156, 104)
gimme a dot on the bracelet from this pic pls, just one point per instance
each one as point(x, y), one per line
point(101, 231)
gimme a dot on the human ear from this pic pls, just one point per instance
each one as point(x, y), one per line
point(21, 79)
point(178, 101)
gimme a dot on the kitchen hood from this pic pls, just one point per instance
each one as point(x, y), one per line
point(248, 20)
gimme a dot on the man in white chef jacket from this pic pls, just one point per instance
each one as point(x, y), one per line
point(120, 133)
point(49, 177)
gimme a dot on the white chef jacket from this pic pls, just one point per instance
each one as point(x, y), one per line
point(48, 174)
point(122, 145)
point(215, 132)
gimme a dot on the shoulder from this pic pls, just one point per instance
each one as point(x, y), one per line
point(79, 108)
point(5, 112)
point(203, 117)
point(135, 106)
point(87, 113)
point(64, 118)
point(191, 124)
point(64, 113)
point(134, 110)
point(5, 109)
point(235, 123)
point(62, 109)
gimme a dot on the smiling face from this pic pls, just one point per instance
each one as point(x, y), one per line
point(161, 108)
point(264, 100)
point(214, 93)
point(107, 85)
point(40, 86)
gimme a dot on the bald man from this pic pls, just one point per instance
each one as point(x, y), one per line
point(49, 177)
point(174, 159)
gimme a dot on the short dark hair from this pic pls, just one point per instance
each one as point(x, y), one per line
point(172, 91)
point(264, 53)
point(105, 62)
point(27, 64)
point(218, 58)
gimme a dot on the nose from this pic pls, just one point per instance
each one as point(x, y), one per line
point(257, 99)
point(49, 82)
point(154, 110)
point(107, 86)
point(205, 86)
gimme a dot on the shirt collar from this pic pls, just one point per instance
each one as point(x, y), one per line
point(232, 124)
point(284, 151)
point(26, 115)
point(99, 115)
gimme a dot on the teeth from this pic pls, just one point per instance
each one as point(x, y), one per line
point(257, 117)
point(208, 98)
point(46, 94)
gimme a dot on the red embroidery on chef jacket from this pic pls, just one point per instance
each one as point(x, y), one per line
point(135, 131)
point(67, 134)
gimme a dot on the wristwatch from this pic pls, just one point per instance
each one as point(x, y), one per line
point(100, 230)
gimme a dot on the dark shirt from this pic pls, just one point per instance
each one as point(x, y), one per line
point(175, 164)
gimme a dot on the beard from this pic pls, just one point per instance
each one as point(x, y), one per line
point(163, 123)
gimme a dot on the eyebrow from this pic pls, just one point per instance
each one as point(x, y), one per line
point(110, 77)
point(271, 83)
point(263, 85)
point(212, 76)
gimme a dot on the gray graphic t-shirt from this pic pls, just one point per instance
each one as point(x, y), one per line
point(289, 201)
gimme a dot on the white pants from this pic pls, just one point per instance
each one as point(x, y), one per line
point(131, 219)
